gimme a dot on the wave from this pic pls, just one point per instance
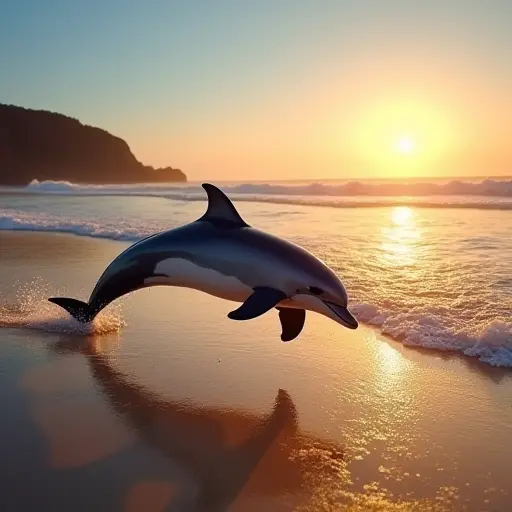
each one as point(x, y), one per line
point(487, 194)
point(491, 343)
point(67, 187)
point(44, 222)
point(487, 187)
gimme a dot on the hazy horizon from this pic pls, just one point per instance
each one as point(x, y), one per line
point(276, 90)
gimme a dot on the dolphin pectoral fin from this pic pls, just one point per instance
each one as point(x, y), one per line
point(262, 300)
point(292, 322)
point(221, 212)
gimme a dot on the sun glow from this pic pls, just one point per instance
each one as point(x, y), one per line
point(397, 138)
point(405, 145)
point(401, 215)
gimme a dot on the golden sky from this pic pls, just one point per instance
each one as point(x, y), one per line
point(277, 90)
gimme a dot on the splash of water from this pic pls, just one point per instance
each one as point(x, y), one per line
point(27, 307)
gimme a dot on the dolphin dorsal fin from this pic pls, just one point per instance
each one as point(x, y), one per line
point(221, 210)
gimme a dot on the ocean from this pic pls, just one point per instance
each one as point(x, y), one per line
point(427, 262)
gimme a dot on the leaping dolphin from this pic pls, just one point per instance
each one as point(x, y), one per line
point(220, 254)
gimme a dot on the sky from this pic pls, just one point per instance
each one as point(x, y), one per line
point(282, 89)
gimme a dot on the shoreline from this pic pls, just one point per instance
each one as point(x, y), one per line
point(362, 422)
point(471, 362)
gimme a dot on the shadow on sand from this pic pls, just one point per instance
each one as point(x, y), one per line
point(229, 452)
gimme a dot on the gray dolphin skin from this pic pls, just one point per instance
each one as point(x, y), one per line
point(221, 255)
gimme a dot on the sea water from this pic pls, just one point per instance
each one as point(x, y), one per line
point(429, 263)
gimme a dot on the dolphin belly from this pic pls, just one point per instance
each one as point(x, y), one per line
point(184, 273)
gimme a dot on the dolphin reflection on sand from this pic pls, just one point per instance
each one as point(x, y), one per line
point(232, 454)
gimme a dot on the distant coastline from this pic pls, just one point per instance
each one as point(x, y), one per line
point(44, 145)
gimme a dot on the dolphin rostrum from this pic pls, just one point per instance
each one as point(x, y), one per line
point(220, 254)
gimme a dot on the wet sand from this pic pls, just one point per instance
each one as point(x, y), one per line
point(169, 405)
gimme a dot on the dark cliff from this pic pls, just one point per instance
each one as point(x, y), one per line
point(36, 144)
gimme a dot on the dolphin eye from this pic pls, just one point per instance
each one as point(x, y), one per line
point(315, 290)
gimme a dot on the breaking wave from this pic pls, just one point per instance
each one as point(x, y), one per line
point(46, 222)
point(490, 342)
point(488, 193)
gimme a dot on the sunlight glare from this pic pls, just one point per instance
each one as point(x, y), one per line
point(401, 215)
point(397, 137)
point(405, 145)
point(400, 238)
point(391, 360)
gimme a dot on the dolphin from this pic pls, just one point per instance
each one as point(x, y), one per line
point(221, 255)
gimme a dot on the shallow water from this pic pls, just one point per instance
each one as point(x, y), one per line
point(437, 278)
point(168, 405)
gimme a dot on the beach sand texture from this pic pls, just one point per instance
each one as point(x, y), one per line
point(166, 404)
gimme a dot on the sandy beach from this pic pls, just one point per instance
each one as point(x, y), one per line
point(167, 405)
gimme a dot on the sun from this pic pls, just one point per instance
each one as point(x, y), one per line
point(405, 145)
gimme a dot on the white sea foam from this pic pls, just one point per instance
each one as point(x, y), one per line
point(490, 342)
point(114, 230)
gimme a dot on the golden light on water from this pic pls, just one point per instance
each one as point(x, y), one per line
point(390, 359)
point(401, 215)
point(400, 237)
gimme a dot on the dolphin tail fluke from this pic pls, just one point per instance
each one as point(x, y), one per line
point(79, 310)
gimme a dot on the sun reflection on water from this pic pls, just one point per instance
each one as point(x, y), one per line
point(400, 238)
point(392, 370)
point(390, 359)
point(401, 215)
